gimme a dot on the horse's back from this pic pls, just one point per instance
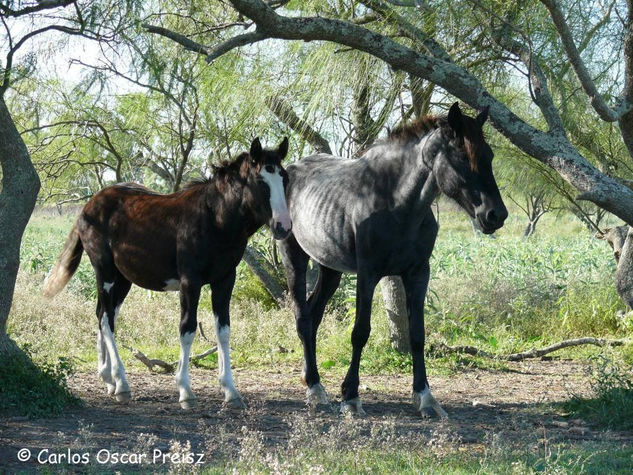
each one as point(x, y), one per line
point(138, 228)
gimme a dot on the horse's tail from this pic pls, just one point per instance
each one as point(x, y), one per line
point(66, 264)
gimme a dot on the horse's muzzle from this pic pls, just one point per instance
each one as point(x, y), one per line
point(491, 219)
point(281, 232)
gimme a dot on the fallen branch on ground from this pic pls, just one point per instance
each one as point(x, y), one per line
point(534, 352)
point(167, 367)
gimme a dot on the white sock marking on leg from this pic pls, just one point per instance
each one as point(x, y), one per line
point(103, 363)
point(225, 375)
point(117, 369)
point(182, 375)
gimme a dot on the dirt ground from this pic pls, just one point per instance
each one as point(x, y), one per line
point(507, 404)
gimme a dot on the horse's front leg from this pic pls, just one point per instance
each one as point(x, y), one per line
point(296, 263)
point(365, 286)
point(189, 297)
point(220, 301)
point(416, 284)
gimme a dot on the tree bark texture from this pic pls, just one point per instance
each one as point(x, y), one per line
point(264, 273)
point(20, 186)
point(395, 300)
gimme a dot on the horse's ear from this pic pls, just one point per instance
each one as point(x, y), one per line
point(256, 149)
point(602, 234)
point(455, 118)
point(482, 116)
point(282, 150)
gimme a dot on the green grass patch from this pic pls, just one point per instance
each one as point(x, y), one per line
point(612, 403)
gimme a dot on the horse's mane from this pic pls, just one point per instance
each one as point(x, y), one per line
point(415, 129)
point(223, 173)
point(418, 128)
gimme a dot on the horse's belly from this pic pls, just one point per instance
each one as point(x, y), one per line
point(153, 271)
point(326, 245)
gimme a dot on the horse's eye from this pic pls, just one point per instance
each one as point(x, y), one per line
point(270, 168)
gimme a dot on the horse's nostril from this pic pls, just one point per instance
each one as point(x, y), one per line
point(491, 216)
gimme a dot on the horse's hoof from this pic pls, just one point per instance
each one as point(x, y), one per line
point(353, 407)
point(428, 413)
point(316, 395)
point(427, 405)
point(188, 404)
point(124, 397)
point(236, 403)
point(110, 388)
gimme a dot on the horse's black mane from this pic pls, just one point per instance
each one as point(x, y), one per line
point(415, 129)
point(222, 173)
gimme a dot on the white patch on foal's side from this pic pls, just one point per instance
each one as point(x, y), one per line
point(172, 284)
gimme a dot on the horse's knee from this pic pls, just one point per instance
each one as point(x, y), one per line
point(360, 334)
point(417, 344)
point(304, 325)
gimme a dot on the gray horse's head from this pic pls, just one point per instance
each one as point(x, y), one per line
point(463, 168)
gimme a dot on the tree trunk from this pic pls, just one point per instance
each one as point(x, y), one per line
point(265, 273)
point(395, 300)
point(624, 273)
point(20, 186)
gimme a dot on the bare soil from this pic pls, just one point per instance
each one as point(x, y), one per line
point(480, 403)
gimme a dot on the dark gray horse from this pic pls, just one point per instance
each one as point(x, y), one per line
point(372, 216)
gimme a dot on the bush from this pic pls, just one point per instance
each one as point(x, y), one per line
point(34, 389)
point(612, 404)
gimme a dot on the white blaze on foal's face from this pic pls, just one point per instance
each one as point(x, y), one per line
point(271, 174)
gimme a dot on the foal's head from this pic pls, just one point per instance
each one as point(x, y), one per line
point(271, 182)
point(463, 168)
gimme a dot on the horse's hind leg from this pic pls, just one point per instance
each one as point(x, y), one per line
point(112, 288)
point(296, 264)
point(415, 285)
point(220, 300)
point(189, 297)
point(104, 365)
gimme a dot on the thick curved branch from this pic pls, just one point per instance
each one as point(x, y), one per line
point(182, 40)
point(605, 112)
point(6, 81)
point(41, 5)
point(408, 29)
point(235, 42)
point(284, 112)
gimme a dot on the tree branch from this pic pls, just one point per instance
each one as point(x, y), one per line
point(597, 101)
point(182, 40)
point(41, 5)
point(284, 112)
point(535, 352)
point(235, 42)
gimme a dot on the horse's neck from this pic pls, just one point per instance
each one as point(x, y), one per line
point(234, 215)
point(415, 187)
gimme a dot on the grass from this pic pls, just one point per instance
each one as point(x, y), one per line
point(34, 388)
point(611, 405)
point(502, 295)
